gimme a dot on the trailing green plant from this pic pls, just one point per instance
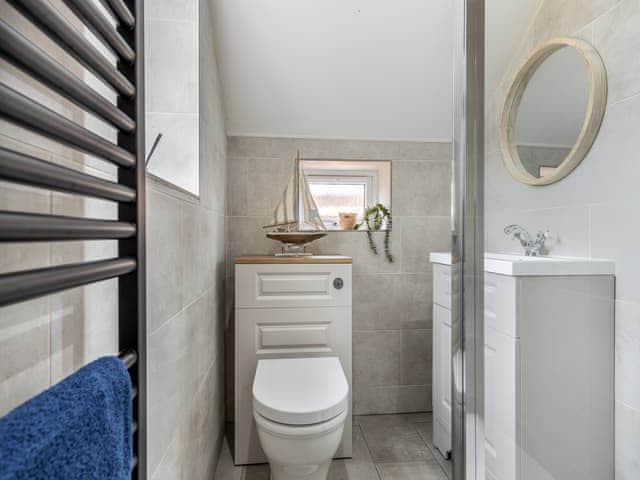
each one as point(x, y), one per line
point(374, 218)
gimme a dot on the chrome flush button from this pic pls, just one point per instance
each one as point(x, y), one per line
point(338, 283)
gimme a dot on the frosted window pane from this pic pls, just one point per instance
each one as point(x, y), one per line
point(332, 199)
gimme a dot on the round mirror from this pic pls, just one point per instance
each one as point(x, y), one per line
point(553, 111)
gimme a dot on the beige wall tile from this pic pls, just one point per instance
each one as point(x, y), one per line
point(627, 435)
point(84, 326)
point(266, 180)
point(24, 352)
point(356, 245)
point(182, 10)
point(392, 301)
point(167, 381)
point(198, 250)
point(564, 17)
point(164, 268)
point(237, 187)
point(417, 357)
point(421, 236)
point(392, 399)
point(628, 354)
point(616, 38)
point(172, 66)
point(376, 358)
point(421, 189)
point(426, 151)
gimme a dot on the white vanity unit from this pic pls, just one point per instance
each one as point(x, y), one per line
point(287, 307)
point(442, 351)
point(549, 368)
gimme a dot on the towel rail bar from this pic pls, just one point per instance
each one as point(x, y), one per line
point(35, 116)
point(53, 23)
point(101, 27)
point(121, 10)
point(20, 168)
point(19, 286)
point(34, 227)
point(125, 76)
point(28, 57)
point(129, 358)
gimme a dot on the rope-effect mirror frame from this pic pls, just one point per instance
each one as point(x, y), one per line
point(593, 118)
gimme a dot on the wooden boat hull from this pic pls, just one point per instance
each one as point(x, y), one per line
point(296, 238)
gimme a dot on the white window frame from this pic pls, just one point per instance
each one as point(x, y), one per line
point(341, 177)
point(374, 174)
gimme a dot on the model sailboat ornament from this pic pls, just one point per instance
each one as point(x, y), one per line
point(296, 221)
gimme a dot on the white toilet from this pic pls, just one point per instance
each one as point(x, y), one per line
point(300, 406)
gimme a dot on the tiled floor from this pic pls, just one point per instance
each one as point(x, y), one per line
point(385, 447)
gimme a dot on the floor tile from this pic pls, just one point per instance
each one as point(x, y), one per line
point(393, 438)
point(257, 472)
point(411, 471)
point(399, 444)
point(226, 470)
point(360, 467)
point(425, 430)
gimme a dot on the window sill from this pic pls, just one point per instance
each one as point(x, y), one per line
point(360, 230)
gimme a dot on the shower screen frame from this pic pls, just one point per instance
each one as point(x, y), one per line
point(468, 240)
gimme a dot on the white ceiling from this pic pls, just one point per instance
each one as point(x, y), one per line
point(366, 69)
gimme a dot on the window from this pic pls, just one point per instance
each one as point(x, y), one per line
point(347, 187)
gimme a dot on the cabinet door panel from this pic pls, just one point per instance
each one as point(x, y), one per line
point(284, 333)
point(442, 285)
point(500, 295)
point(501, 395)
point(291, 286)
point(442, 378)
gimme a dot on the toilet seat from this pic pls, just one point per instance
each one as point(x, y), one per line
point(300, 391)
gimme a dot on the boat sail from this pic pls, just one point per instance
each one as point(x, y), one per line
point(296, 221)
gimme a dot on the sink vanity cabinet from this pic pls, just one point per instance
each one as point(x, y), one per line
point(287, 307)
point(548, 366)
point(441, 392)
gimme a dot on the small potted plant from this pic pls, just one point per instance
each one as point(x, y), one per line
point(374, 219)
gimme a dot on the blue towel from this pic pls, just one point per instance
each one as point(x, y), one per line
point(79, 429)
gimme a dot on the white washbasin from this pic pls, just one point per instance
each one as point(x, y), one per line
point(520, 265)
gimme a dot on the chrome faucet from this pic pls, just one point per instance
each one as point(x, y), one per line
point(531, 246)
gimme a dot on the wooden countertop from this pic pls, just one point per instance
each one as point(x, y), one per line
point(315, 259)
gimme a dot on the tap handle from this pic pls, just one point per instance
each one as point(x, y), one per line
point(544, 235)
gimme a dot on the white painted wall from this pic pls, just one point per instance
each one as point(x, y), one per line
point(369, 69)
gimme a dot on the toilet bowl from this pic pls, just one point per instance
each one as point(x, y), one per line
point(300, 406)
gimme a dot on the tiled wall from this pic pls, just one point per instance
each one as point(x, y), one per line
point(392, 324)
point(172, 93)
point(595, 211)
point(186, 265)
point(44, 340)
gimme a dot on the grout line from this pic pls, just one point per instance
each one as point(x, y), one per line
point(624, 99)
point(366, 444)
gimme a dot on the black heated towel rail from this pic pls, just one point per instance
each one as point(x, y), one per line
point(118, 26)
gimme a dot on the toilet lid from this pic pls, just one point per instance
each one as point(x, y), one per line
point(300, 391)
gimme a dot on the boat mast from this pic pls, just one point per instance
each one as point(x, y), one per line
point(296, 190)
